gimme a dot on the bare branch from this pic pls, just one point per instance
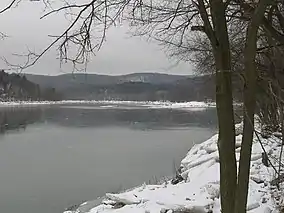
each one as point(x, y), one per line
point(9, 6)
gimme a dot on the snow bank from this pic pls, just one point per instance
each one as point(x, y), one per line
point(199, 191)
point(185, 105)
point(26, 103)
point(109, 104)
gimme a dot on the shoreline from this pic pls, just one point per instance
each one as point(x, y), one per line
point(198, 187)
point(113, 103)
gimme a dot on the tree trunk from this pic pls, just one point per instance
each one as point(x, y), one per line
point(225, 111)
point(226, 140)
point(249, 107)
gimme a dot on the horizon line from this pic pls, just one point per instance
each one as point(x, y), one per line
point(92, 73)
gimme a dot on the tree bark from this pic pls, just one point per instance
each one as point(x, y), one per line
point(249, 107)
point(225, 111)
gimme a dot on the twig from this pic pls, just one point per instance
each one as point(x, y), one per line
point(8, 7)
point(259, 140)
point(282, 140)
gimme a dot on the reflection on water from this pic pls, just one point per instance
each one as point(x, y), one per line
point(140, 119)
point(17, 118)
point(133, 118)
point(55, 157)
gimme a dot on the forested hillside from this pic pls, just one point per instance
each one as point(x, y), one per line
point(18, 87)
point(137, 86)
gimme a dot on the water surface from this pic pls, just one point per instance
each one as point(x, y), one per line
point(55, 157)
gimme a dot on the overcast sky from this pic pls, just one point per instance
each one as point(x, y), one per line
point(119, 55)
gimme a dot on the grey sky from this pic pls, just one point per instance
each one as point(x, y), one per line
point(119, 55)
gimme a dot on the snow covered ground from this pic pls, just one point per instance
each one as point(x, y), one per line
point(147, 104)
point(199, 192)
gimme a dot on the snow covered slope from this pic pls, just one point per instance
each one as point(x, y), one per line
point(199, 192)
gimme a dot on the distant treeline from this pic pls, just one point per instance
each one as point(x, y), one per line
point(200, 88)
point(131, 87)
point(138, 87)
point(16, 87)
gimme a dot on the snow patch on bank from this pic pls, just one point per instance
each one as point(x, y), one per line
point(112, 104)
point(199, 192)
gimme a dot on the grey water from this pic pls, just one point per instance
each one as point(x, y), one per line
point(54, 157)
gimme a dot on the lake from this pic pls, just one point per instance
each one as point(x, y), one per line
point(52, 157)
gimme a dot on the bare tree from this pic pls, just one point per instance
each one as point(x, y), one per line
point(171, 22)
point(249, 105)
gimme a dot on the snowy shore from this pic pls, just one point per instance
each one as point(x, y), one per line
point(198, 189)
point(146, 104)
